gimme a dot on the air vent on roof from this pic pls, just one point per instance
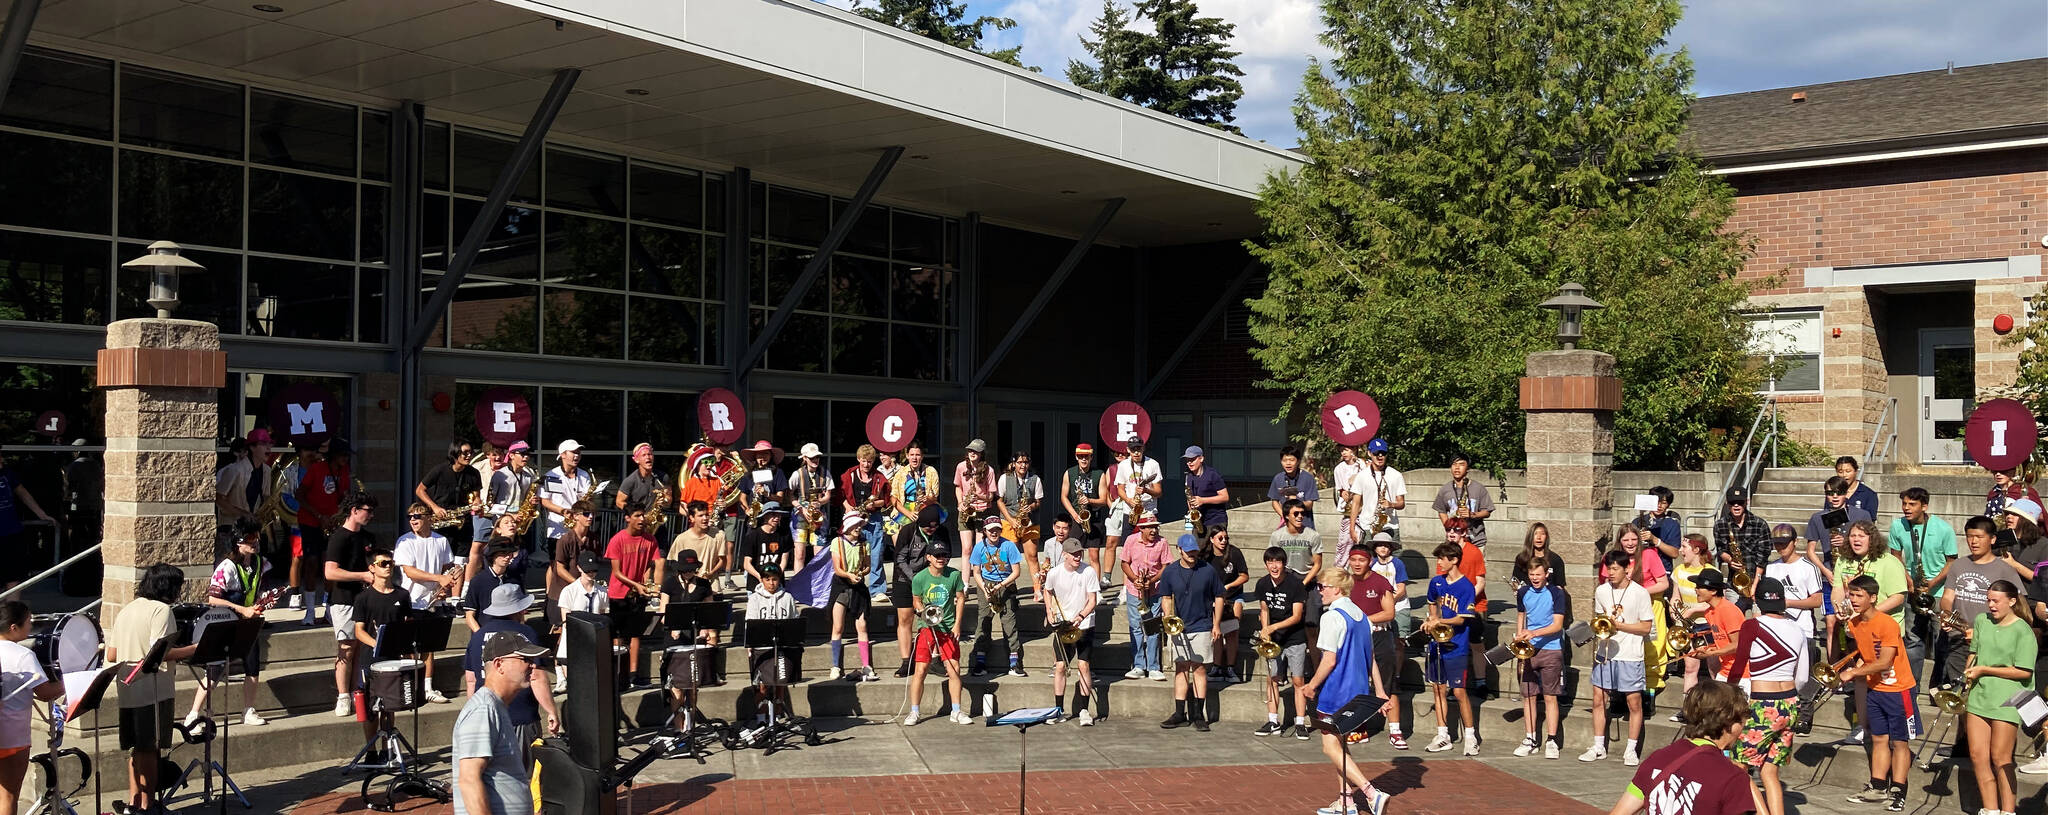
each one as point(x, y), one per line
point(1799, 96)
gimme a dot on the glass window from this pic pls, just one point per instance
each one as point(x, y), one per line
point(511, 249)
point(488, 315)
point(914, 353)
point(797, 217)
point(591, 183)
point(376, 145)
point(213, 295)
point(588, 415)
point(800, 420)
point(713, 344)
point(585, 251)
point(673, 197)
point(56, 184)
point(778, 267)
point(302, 134)
point(370, 223)
point(437, 337)
point(801, 345)
point(434, 155)
point(859, 347)
point(48, 279)
point(916, 239)
point(295, 214)
point(179, 112)
point(584, 324)
point(664, 330)
point(435, 246)
point(1787, 345)
point(714, 267)
point(61, 93)
point(370, 304)
point(307, 301)
point(920, 293)
point(190, 201)
point(26, 392)
point(464, 412)
point(664, 419)
point(480, 157)
point(859, 286)
point(870, 235)
point(714, 202)
point(848, 431)
point(665, 261)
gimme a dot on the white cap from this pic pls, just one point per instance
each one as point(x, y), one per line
point(567, 445)
point(852, 520)
point(810, 451)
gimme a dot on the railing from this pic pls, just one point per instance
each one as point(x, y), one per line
point(1884, 441)
point(54, 571)
point(1748, 466)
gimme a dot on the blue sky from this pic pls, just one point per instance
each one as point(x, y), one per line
point(1736, 45)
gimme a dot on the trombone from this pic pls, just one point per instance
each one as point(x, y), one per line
point(1265, 648)
point(1950, 700)
point(1829, 677)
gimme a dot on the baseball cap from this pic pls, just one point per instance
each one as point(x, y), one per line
point(2025, 508)
point(689, 562)
point(589, 563)
point(339, 447)
point(930, 516)
point(992, 522)
point(257, 436)
point(1709, 580)
point(1192, 452)
point(1376, 446)
point(511, 644)
point(978, 446)
point(1738, 495)
point(1188, 543)
point(567, 446)
point(1770, 596)
point(937, 550)
point(853, 520)
point(519, 447)
point(1084, 449)
point(1783, 534)
point(1072, 547)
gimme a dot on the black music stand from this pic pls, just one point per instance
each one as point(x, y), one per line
point(697, 731)
point(780, 730)
point(1023, 719)
point(394, 641)
point(1348, 719)
point(219, 644)
point(54, 801)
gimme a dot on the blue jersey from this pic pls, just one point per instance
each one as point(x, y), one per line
point(1541, 608)
point(1453, 598)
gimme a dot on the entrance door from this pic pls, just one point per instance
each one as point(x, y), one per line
point(1049, 438)
point(1948, 384)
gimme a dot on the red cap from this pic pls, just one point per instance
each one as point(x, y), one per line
point(1084, 448)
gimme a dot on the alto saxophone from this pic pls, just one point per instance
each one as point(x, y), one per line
point(443, 591)
point(1082, 513)
point(529, 508)
point(273, 510)
point(451, 517)
point(1380, 515)
point(658, 505)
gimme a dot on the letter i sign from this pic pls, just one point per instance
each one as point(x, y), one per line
point(2001, 434)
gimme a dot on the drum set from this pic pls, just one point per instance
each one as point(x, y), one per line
point(689, 667)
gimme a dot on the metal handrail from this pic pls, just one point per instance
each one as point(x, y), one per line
point(52, 572)
point(1873, 453)
point(1746, 468)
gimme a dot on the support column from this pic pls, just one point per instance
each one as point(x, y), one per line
point(1852, 366)
point(1570, 398)
point(162, 378)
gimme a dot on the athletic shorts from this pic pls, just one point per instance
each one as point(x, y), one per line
point(298, 543)
point(1543, 674)
point(343, 620)
point(1767, 738)
point(251, 663)
point(1083, 649)
point(1290, 662)
point(1118, 525)
point(1020, 535)
point(854, 596)
point(1446, 671)
point(630, 619)
point(1094, 537)
point(1383, 656)
point(1617, 676)
point(1195, 646)
point(1892, 713)
point(147, 727)
point(927, 639)
point(899, 594)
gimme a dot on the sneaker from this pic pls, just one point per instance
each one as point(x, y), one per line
point(1526, 748)
point(296, 601)
point(1630, 759)
point(250, 719)
point(1897, 802)
point(1303, 732)
point(190, 718)
point(903, 670)
point(1399, 741)
point(1594, 753)
point(1087, 719)
point(1869, 795)
point(1135, 673)
point(1439, 744)
point(435, 697)
point(1341, 806)
point(833, 673)
point(910, 718)
point(1376, 801)
point(1268, 729)
point(1173, 721)
point(344, 706)
point(1678, 717)
point(1156, 676)
point(960, 717)
point(1471, 747)
point(979, 670)
point(1017, 670)
point(2038, 766)
point(1201, 725)
point(1232, 676)
point(1550, 751)
point(1853, 740)
point(867, 674)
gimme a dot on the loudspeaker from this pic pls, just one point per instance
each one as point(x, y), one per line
point(566, 787)
point(590, 718)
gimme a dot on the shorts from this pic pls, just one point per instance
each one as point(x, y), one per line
point(1767, 738)
point(298, 543)
point(1383, 656)
point(343, 620)
point(1083, 649)
point(1229, 627)
point(1118, 525)
point(1194, 646)
point(1618, 676)
point(11, 752)
point(630, 619)
point(1094, 537)
point(854, 596)
point(147, 727)
point(251, 664)
point(899, 594)
point(1543, 674)
point(1446, 671)
point(1891, 713)
point(928, 639)
point(1292, 661)
point(1021, 535)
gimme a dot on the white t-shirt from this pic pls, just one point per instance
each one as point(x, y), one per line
point(1330, 631)
point(575, 597)
point(1635, 608)
point(1342, 474)
point(1128, 480)
point(559, 489)
point(20, 675)
point(429, 554)
point(1802, 580)
point(1071, 589)
point(1366, 485)
point(1782, 660)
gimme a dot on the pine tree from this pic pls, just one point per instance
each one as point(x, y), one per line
point(1183, 68)
point(1112, 49)
point(945, 21)
point(1467, 157)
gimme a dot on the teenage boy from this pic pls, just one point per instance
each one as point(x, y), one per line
point(1796, 575)
point(1074, 587)
point(767, 601)
point(1373, 594)
point(1283, 601)
point(636, 578)
point(685, 583)
point(1539, 623)
point(1189, 589)
point(1927, 544)
point(1618, 659)
point(422, 556)
point(996, 564)
point(1292, 483)
point(585, 594)
point(376, 605)
point(1890, 714)
point(850, 597)
point(1769, 653)
point(1444, 667)
point(347, 570)
point(940, 587)
point(1834, 498)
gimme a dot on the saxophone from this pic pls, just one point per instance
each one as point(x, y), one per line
point(443, 591)
point(810, 510)
point(657, 507)
point(273, 510)
point(1380, 515)
point(451, 517)
point(529, 508)
point(1082, 512)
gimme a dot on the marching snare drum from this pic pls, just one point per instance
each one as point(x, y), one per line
point(772, 666)
point(397, 684)
point(689, 666)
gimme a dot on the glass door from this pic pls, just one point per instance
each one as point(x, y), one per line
point(1948, 385)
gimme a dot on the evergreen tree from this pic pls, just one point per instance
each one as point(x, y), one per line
point(1183, 68)
point(1112, 49)
point(1467, 157)
point(945, 21)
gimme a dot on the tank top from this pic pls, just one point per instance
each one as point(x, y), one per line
point(1353, 672)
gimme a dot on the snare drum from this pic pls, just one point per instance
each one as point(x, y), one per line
point(397, 684)
point(772, 666)
point(66, 643)
point(689, 666)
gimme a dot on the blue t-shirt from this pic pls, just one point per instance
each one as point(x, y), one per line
point(525, 709)
point(10, 517)
point(1206, 484)
point(1194, 590)
point(995, 561)
point(1541, 605)
point(1304, 486)
point(1455, 597)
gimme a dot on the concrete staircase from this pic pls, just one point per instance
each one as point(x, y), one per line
point(1790, 495)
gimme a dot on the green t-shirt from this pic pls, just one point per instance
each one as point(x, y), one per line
point(1890, 574)
point(1937, 543)
point(2001, 646)
point(938, 590)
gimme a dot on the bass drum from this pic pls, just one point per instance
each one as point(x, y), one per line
point(67, 643)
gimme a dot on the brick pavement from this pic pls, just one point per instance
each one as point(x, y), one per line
point(1434, 785)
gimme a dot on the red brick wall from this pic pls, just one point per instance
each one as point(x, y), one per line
point(1965, 207)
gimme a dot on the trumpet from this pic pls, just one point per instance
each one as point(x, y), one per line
point(932, 616)
point(1265, 648)
point(1952, 621)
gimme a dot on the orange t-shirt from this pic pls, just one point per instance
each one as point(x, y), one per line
point(1873, 634)
point(1725, 621)
point(698, 489)
point(1472, 564)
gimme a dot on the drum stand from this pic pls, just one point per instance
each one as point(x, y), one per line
point(55, 801)
point(220, 640)
point(400, 760)
point(694, 738)
point(781, 731)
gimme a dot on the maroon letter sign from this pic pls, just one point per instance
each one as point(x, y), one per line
point(503, 416)
point(52, 423)
point(892, 423)
point(1350, 418)
point(305, 413)
point(1123, 423)
point(2001, 434)
point(721, 415)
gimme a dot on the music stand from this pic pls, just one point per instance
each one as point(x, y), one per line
point(697, 731)
point(54, 801)
point(1347, 720)
point(395, 640)
point(1023, 719)
point(770, 635)
point(218, 644)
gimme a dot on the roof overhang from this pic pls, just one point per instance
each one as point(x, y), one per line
point(797, 91)
point(1970, 141)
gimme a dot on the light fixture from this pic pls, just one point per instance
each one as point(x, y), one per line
point(1570, 301)
point(266, 315)
point(165, 264)
point(636, 91)
point(267, 8)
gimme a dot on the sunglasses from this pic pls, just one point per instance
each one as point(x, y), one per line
point(381, 564)
point(416, 516)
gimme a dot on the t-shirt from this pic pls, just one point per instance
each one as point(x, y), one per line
point(1818, 532)
point(1635, 608)
point(1996, 646)
point(1472, 565)
point(575, 598)
point(136, 629)
point(1280, 597)
point(1396, 573)
point(571, 546)
point(1934, 542)
point(231, 481)
point(1194, 590)
point(1128, 480)
point(1367, 485)
point(1301, 485)
point(1366, 593)
point(1473, 497)
point(562, 490)
point(1207, 484)
point(1014, 492)
point(1802, 579)
point(685, 589)
point(351, 552)
point(477, 595)
point(707, 546)
point(1769, 648)
point(1890, 575)
point(321, 490)
point(375, 608)
point(938, 590)
point(639, 489)
point(1302, 547)
point(1520, 574)
point(450, 486)
point(1145, 559)
point(1332, 625)
point(1229, 566)
point(235, 583)
point(1972, 582)
point(635, 555)
point(484, 730)
point(430, 554)
point(995, 562)
point(777, 547)
point(1724, 621)
point(1691, 777)
point(1453, 598)
point(1873, 634)
point(1540, 608)
point(1071, 589)
point(20, 674)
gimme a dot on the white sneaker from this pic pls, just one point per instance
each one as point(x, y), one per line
point(1550, 751)
point(961, 717)
point(2038, 766)
point(1594, 753)
point(435, 697)
point(910, 718)
point(832, 673)
point(1341, 806)
point(1087, 718)
point(1156, 676)
point(1852, 740)
point(1135, 673)
point(1526, 748)
point(190, 718)
point(1376, 804)
point(1439, 744)
point(250, 719)
point(1471, 747)
point(344, 707)
point(1629, 758)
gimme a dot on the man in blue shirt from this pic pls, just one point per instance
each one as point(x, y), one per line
point(1450, 606)
point(1293, 481)
point(1205, 486)
point(1539, 623)
point(995, 564)
point(1190, 589)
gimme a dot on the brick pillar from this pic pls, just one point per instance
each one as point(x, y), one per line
point(161, 378)
point(1570, 398)
point(1852, 368)
point(1997, 363)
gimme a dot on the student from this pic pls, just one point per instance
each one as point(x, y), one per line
point(2003, 642)
point(1283, 601)
point(1292, 483)
point(1770, 652)
point(996, 563)
point(22, 684)
point(1618, 659)
point(1395, 572)
point(1539, 622)
point(768, 601)
point(1348, 672)
point(1230, 567)
point(1835, 497)
point(1866, 556)
point(1189, 589)
point(1685, 605)
point(422, 556)
point(1969, 580)
point(378, 604)
point(1536, 546)
point(906, 549)
point(1646, 568)
point(1927, 544)
point(146, 704)
point(685, 583)
point(1724, 624)
point(346, 567)
point(943, 588)
point(1372, 593)
point(1796, 574)
point(234, 586)
point(1074, 588)
point(1695, 771)
point(585, 595)
point(1444, 668)
point(1890, 713)
point(635, 579)
point(849, 552)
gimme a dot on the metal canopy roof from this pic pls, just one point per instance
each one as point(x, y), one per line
point(796, 90)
